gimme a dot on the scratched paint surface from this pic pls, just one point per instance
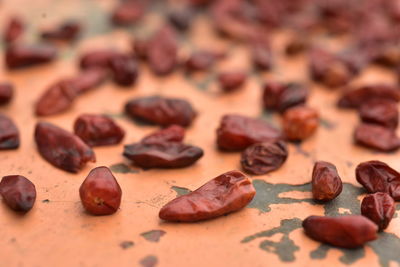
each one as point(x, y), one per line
point(57, 232)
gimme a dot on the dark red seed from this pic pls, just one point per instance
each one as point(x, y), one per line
point(9, 134)
point(100, 193)
point(380, 111)
point(67, 31)
point(162, 155)
point(376, 137)
point(231, 81)
point(97, 58)
point(377, 176)
point(379, 208)
point(299, 123)
point(140, 48)
point(18, 192)
point(181, 18)
point(281, 96)
point(296, 45)
point(326, 182)
point(261, 53)
point(161, 110)
point(124, 69)
point(173, 133)
point(13, 29)
point(237, 132)
point(262, 158)
point(128, 12)
point(21, 55)
point(98, 130)
point(349, 231)
point(89, 79)
point(61, 148)
point(6, 93)
point(200, 61)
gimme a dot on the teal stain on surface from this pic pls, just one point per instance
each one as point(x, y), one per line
point(180, 191)
point(122, 168)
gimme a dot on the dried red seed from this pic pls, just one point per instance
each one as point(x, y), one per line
point(237, 132)
point(300, 123)
point(61, 148)
point(376, 137)
point(281, 96)
point(349, 231)
point(9, 134)
point(6, 93)
point(224, 194)
point(380, 111)
point(67, 31)
point(89, 79)
point(231, 81)
point(100, 193)
point(379, 208)
point(13, 30)
point(326, 183)
point(296, 45)
point(98, 130)
point(162, 155)
point(128, 12)
point(124, 69)
point(21, 55)
point(262, 158)
point(180, 18)
point(97, 58)
point(261, 54)
point(161, 111)
point(140, 48)
point(173, 133)
point(18, 192)
point(200, 61)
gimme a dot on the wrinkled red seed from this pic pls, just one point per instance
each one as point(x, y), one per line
point(376, 137)
point(380, 111)
point(296, 45)
point(237, 132)
point(57, 98)
point(326, 183)
point(100, 192)
point(6, 93)
point(224, 194)
point(281, 96)
point(22, 55)
point(18, 192)
point(162, 155)
point(97, 58)
point(13, 29)
point(379, 208)
point(231, 81)
point(300, 123)
point(261, 54)
point(140, 48)
point(98, 130)
point(61, 148)
point(262, 158)
point(9, 134)
point(173, 133)
point(201, 60)
point(349, 231)
point(355, 97)
point(180, 18)
point(124, 69)
point(128, 12)
point(161, 110)
point(67, 31)
point(89, 79)
point(377, 176)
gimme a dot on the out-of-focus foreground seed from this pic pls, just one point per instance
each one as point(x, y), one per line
point(18, 192)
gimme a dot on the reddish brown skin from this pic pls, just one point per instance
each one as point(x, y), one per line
point(201, 60)
point(128, 12)
point(97, 58)
point(376, 137)
point(140, 48)
point(326, 183)
point(376, 176)
point(181, 18)
point(57, 98)
point(162, 51)
point(161, 110)
point(296, 45)
point(9, 134)
point(224, 194)
point(380, 111)
point(261, 54)
point(355, 97)
point(100, 192)
point(67, 31)
point(163, 155)
point(231, 81)
point(351, 231)
point(237, 132)
point(173, 133)
point(22, 55)
point(13, 30)
point(379, 208)
point(89, 79)
point(124, 69)
point(262, 158)
point(281, 96)
point(98, 130)
point(61, 148)
point(299, 123)
point(6, 93)
point(18, 192)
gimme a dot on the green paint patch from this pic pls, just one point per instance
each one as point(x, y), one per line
point(180, 191)
point(327, 124)
point(153, 235)
point(122, 168)
point(149, 261)
point(268, 116)
point(114, 115)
